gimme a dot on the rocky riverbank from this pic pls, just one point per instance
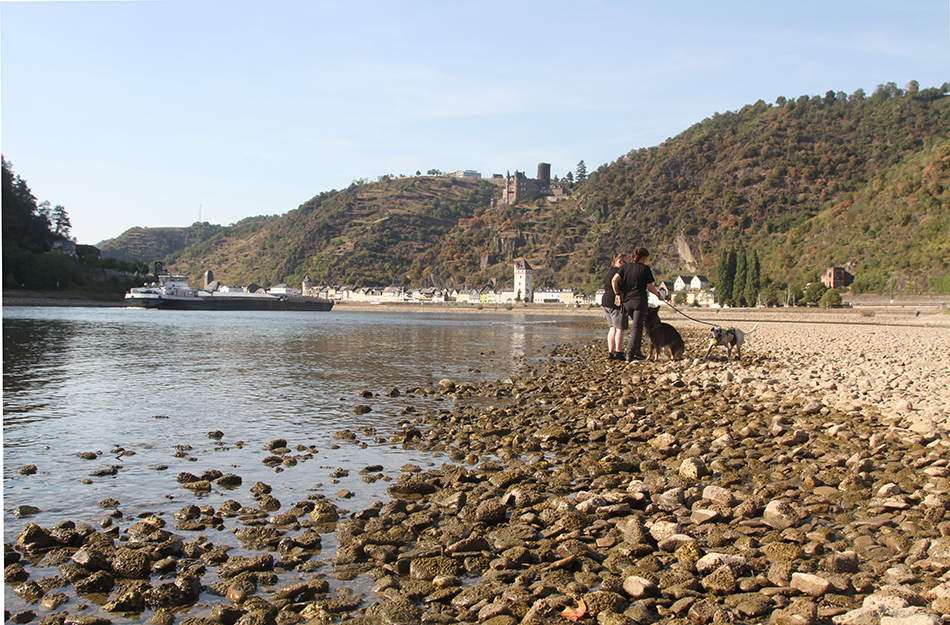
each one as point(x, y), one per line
point(790, 487)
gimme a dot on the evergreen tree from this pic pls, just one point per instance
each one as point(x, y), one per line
point(752, 280)
point(738, 284)
point(581, 171)
point(725, 272)
point(61, 223)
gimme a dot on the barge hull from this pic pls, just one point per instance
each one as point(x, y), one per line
point(210, 303)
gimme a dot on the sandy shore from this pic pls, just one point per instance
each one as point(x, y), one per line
point(896, 360)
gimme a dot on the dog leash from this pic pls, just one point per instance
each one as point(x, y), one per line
point(687, 316)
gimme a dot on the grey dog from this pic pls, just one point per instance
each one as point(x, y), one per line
point(730, 337)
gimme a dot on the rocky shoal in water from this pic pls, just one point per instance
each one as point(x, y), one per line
point(595, 492)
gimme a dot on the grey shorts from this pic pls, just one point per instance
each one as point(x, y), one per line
point(617, 318)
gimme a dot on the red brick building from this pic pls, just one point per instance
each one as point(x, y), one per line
point(836, 277)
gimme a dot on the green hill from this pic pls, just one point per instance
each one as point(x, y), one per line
point(853, 180)
point(767, 176)
point(150, 244)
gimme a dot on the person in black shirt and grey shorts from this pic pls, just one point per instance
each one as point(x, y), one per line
point(631, 286)
point(616, 316)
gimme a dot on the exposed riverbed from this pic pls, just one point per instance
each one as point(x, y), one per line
point(563, 481)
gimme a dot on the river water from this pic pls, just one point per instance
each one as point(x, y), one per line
point(143, 389)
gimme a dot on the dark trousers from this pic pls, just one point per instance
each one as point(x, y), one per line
point(637, 311)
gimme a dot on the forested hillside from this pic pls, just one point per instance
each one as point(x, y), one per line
point(838, 179)
point(368, 234)
point(854, 180)
point(39, 255)
point(149, 244)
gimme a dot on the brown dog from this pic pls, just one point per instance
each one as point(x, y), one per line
point(730, 337)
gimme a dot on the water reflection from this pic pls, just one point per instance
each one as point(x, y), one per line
point(33, 354)
point(154, 383)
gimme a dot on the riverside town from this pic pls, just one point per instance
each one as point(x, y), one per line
point(695, 290)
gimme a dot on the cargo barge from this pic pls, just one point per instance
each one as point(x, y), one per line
point(173, 293)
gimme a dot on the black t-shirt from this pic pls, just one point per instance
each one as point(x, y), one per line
point(634, 278)
point(608, 300)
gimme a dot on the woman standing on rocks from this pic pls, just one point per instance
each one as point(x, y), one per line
point(630, 286)
point(616, 316)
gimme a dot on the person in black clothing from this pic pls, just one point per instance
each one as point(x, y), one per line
point(631, 285)
point(616, 316)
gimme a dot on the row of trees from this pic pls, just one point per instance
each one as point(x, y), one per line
point(738, 277)
point(739, 283)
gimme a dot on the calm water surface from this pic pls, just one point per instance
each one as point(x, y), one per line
point(155, 383)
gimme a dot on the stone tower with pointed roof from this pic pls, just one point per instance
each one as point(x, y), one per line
point(524, 280)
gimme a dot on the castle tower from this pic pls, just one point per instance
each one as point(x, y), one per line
point(544, 174)
point(524, 280)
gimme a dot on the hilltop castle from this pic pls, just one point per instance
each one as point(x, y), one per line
point(519, 187)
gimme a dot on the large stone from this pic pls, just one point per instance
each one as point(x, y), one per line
point(811, 585)
point(783, 514)
point(693, 468)
point(639, 587)
point(799, 612)
point(712, 561)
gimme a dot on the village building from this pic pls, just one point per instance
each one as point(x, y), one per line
point(524, 280)
point(682, 283)
point(64, 247)
point(506, 296)
point(392, 294)
point(547, 296)
point(836, 278)
point(700, 298)
point(464, 173)
point(698, 283)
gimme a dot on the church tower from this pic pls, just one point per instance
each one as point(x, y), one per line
point(524, 280)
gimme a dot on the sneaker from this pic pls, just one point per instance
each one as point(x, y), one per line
point(636, 357)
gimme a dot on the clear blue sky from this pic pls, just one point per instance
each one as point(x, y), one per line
point(143, 113)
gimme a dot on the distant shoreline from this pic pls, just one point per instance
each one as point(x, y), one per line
point(930, 311)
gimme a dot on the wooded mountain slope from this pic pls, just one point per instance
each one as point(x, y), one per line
point(854, 180)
